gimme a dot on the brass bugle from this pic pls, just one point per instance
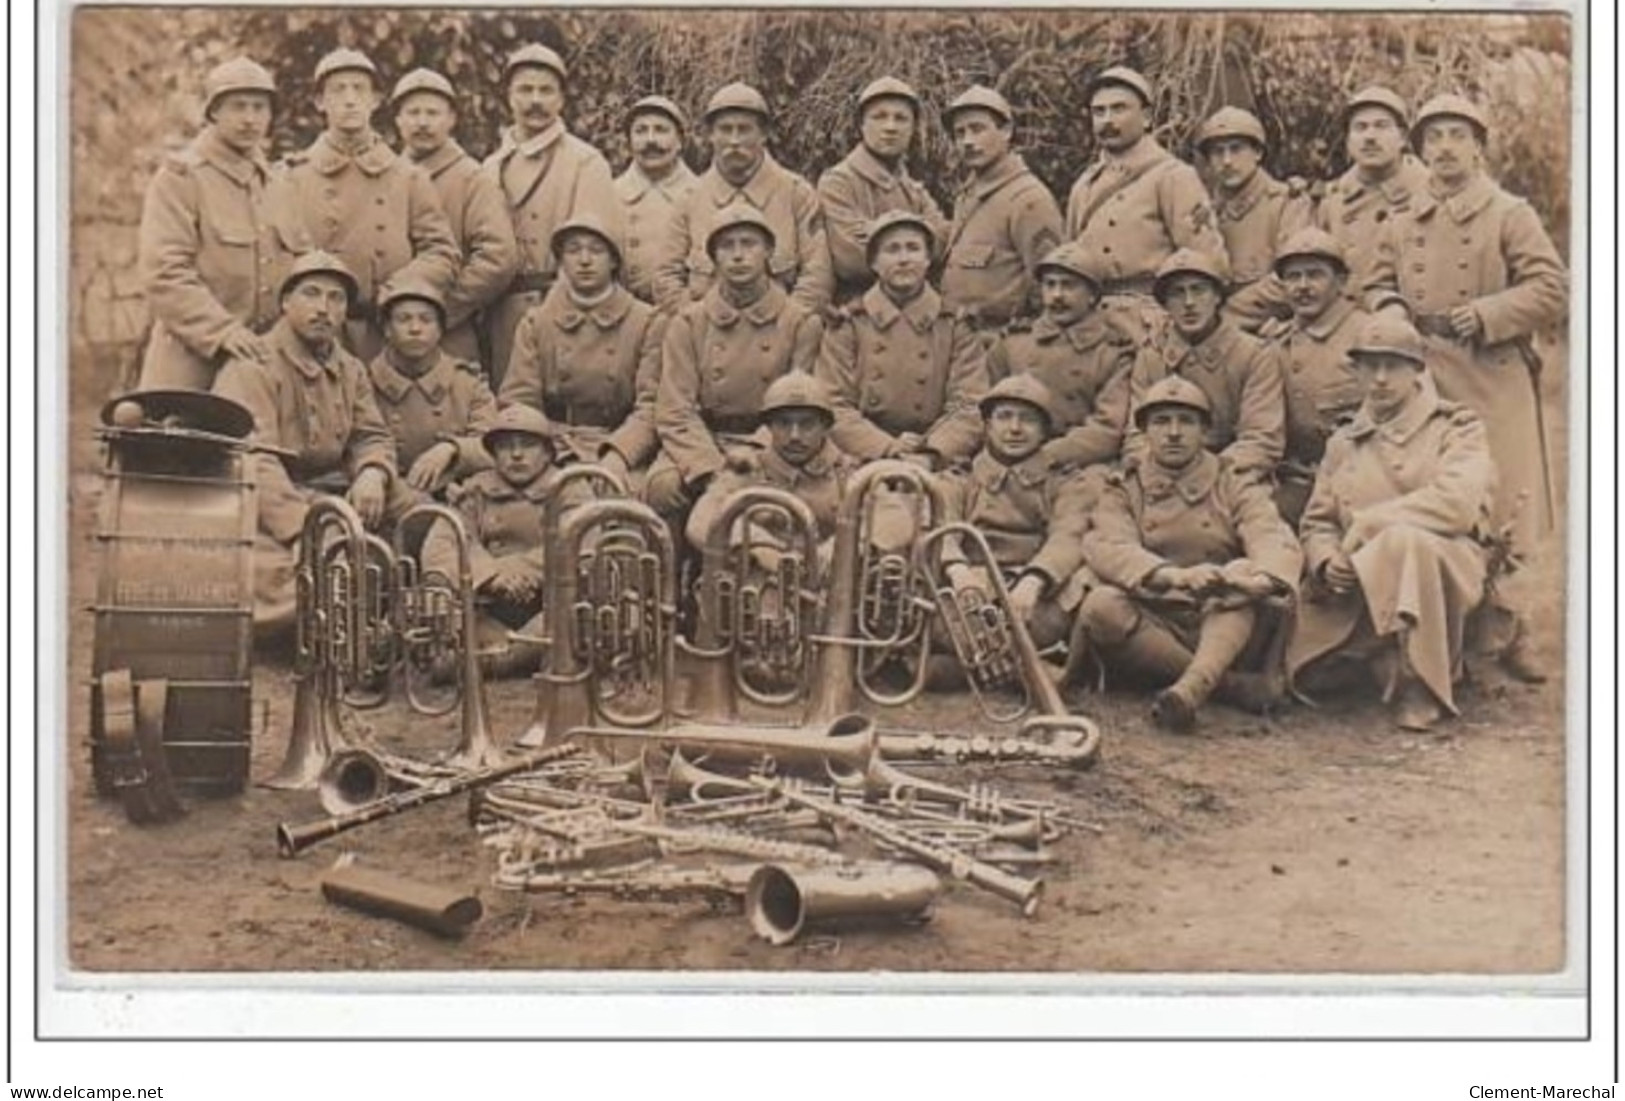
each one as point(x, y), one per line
point(842, 748)
point(440, 910)
point(294, 839)
point(782, 901)
point(356, 776)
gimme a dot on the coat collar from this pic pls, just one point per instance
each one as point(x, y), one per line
point(533, 146)
point(1143, 152)
point(1407, 179)
point(1322, 327)
point(1192, 484)
point(1012, 167)
point(372, 158)
point(1081, 335)
point(1407, 423)
point(921, 311)
point(211, 147)
point(298, 355)
point(820, 466)
point(758, 190)
point(633, 184)
point(392, 385)
point(867, 165)
point(1029, 473)
point(762, 312)
point(1211, 354)
point(491, 485)
point(1464, 204)
point(1235, 207)
point(442, 158)
point(570, 316)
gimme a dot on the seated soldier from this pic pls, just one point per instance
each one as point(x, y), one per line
point(504, 509)
point(1321, 388)
point(435, 405)
point(588, 355)
point(796, 417)
point(718, 358)
point(313, 402)
point(905, 372)
point(1079, 353)
point(1391, 534)
point(1186, 548)
point(1241, 380)
point(1033, 516)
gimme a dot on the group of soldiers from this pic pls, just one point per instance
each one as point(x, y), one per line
point(1225, 436)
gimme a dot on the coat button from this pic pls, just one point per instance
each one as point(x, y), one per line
point(379, 200)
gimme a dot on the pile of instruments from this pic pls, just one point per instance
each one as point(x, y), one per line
point(804, 809)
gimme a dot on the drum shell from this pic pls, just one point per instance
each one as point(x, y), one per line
point(174, 598)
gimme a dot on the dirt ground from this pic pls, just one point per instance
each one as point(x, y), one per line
point(1307, 842)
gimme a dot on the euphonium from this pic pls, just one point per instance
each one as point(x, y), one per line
point(874, 603)
point(750, 626)
point(330, 636)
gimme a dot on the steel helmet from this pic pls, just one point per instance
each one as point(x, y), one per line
point(344, 60)
point(891, 220)
point(888, 87)
point(319, 262)
point(1123, 77)
point(798, 390)
point(423, 80)
point(1173, 390)
point(520, 420)
point(534, 54)
point(237, 75)
point(1385, 334)
point(1025, 388)
point(982, 98)
point(1376, 95)
point(1189, 261)
point(738, 214)
point(1230, 122)
point(1450, 105)
point(1311, 241)
point(402, 287)
point(586, 222)
point(1071, 256)
point(737, 97)
point(657, 105)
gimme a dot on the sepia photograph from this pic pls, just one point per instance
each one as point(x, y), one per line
point(1030, 496)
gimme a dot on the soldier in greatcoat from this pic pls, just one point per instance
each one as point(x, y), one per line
point(217, 237)
point(1080, 354)
point(589, 356)
point(1137, 203)
point(1479, 276)
point(1382, 181)
point(425, 115)
point(368, 205)
point(436, 405)
point(1393, 535)
point(743, 172)
point(905, 371)
point(1186, 549)
point(1256, 211)
point(547, 176)
point(872, 180)
point(1322, 390)
point(654, 185)
point(718, 358)
point(1242, 380)
point(313, 406)
point(1004, 219)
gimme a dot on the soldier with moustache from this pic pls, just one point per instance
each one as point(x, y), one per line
point(216, 237)
point(1246, 414)
point(1475, 269)
point(425, 116)
point(654, 185)
point(368, 205)
point(1137, 204)
point(1004, 220)
point(744, 173)
point(873, 180)
point(1382, 181)
point(1187, 549)
point(1080, 354)
point(1256, 212)
point(547, 176)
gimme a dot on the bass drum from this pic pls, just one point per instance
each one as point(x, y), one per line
point(174, 596)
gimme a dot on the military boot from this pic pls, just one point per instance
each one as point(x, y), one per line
point(1415, 708)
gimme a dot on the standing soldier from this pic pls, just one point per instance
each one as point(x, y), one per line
point(425, 115)
point(1080, 355)
point(363, 202)
point(743, 172)
point(215, 239)
point(718, 358)
point(1246, 414)
point(548, 176)
point(905, 371)
point(1478, 273)
point(1382, 183)
point(872, 180)
point(1005, 219)
point(654, 185)
point(313, 403)
point(589, 356)
point(1256, 211)
point(1138, 203)
point(1186, 548)
point(1322, 390)
point(1393, 533)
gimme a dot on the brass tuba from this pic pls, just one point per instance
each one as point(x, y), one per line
point(752, 628)
point(877, 608)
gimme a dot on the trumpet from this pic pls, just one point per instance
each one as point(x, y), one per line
point(751, 631)
point(875, 610)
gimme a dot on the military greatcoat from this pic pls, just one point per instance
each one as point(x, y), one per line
point(1406, 500)
point(448, 403)
point(854, 193)
point(1357, 213)
point(1254, 223)
point(650, 207)
point(896, 368)
point(1086, 367)
point(484, 234)
point(1322, 393)
point(1004, 223)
